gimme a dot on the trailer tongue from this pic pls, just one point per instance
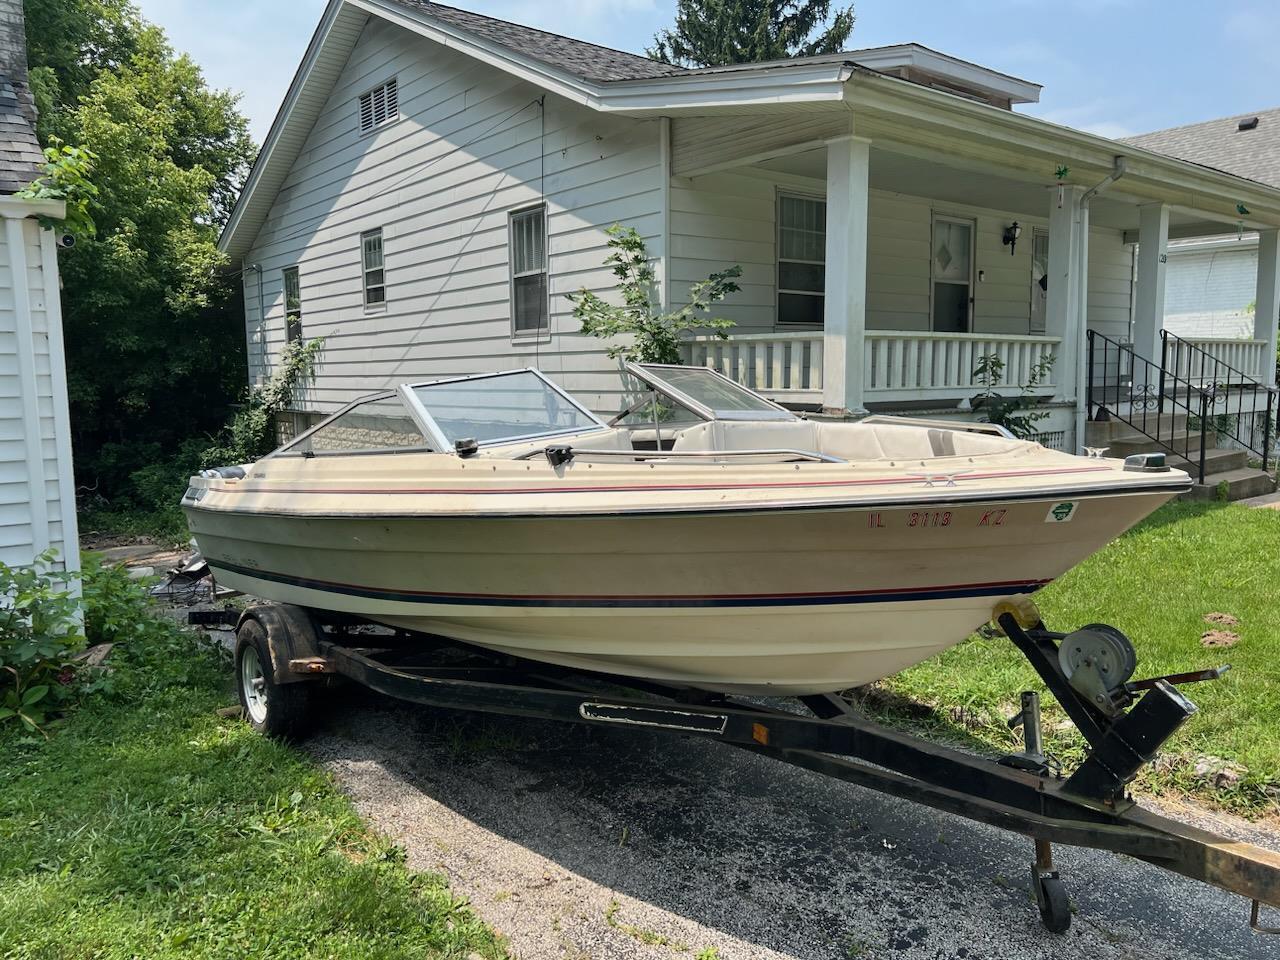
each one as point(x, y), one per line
point(283, 651)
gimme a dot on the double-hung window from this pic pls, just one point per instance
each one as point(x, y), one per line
point(375, 275)
point(379, 106)
point(802, 255)
point(292, 304)
point(528, 250)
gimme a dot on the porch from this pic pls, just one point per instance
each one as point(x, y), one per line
point(881, 260)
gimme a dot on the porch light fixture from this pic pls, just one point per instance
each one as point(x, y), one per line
point(1011, 235)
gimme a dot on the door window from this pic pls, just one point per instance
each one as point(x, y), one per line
point(952, 269)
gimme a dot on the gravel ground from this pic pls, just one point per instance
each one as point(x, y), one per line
point(611, 843)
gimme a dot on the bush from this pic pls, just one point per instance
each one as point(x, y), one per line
point(39, 638)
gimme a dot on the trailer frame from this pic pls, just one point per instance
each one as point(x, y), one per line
point(300, 649)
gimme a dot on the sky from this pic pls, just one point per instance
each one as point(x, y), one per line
point(1112, 67)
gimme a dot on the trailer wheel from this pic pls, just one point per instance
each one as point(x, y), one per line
point(1055, 908)
point(281, 710)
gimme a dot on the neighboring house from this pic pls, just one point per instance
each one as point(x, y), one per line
point(37, 490)
point(1211, 284)
point(436, 183)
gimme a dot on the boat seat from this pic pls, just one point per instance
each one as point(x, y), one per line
point(742, 435)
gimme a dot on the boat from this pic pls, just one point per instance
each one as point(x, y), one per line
point(705, 537)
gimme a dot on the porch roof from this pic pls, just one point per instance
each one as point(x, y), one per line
point(852, 85)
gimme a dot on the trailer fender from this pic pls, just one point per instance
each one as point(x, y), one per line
point(291, 635)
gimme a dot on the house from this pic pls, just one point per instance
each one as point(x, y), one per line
point(1210, 287)
point(37, 490)
point(436, 182)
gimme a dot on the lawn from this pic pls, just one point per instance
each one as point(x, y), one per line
point(148, 826)
point(1156, 583)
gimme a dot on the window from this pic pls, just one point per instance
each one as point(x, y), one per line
point(379, 106)
point(375, 276)
point(802, 254)
point(529, 271)
point(1039, 279)
point(492, 408)
point(368, 426)
point(292, 305)
point(952, 270)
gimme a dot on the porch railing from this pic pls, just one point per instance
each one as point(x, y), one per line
point(898, 365)
point(1246, 357)
point(786, 366)
point(920, 366)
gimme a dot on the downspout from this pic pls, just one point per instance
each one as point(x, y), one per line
point(1082, 297)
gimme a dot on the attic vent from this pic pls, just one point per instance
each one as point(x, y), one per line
point(1249, 123)
point(380, 105)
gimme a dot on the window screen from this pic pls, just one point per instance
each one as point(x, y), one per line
point(802, 252)
point(529, 270)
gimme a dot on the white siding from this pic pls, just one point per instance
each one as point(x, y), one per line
point(1208, 292)
point(37, 497)
point(726, 218)
point(471, 146)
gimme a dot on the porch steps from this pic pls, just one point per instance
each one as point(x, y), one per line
point(1223, 466)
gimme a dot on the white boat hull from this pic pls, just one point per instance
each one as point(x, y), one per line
point(786, 600)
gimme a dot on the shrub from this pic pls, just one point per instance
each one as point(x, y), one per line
point(655, 336)
point(1017, 414)
point(39, 638)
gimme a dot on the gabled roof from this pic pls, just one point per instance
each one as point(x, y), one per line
point(1232, 144)
point(20, 156)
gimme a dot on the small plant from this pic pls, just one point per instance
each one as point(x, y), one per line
point(1017, 414)
point(39, 638)
point(250, 435)
point(66, 178)
point(655, 336)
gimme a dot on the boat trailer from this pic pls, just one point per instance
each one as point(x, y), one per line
point(285, 655)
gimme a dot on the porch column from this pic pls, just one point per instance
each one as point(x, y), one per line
point(1148, 304)
point(1266, 311)
point(1065, 293)
point(845, 305)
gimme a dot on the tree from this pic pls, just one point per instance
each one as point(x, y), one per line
point(655, 337)
point(710, 33)
point(153, 326)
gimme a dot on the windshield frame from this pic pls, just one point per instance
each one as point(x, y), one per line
point(286, 449)
point(650, 374)
point(433, 431)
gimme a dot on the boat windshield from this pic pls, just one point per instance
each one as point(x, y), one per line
point(500, 407)
point(711, 395)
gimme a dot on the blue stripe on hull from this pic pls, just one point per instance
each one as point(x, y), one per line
point(782, 600)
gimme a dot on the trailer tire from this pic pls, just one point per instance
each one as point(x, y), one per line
point(279, 710)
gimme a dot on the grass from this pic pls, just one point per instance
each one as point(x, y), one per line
point(165, 525)
point(146, 826)
point(1156, 583)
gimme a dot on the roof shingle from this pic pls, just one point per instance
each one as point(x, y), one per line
point(582, 59)
point(1221, 144)
point(20, 154)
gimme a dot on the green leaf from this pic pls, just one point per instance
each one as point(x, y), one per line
point(34, 695)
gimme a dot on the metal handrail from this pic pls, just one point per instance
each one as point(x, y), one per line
point(1148, 388)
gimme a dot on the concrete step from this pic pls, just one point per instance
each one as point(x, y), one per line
point(1100, 434)
point(1215, 461)
point(1122, 446)
point(1231, 485)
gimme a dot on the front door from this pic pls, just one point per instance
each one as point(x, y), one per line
point(952, 270)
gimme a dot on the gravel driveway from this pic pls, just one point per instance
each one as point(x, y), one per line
point(609, 843)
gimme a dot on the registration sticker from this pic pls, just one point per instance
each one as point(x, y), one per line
point(1062, 512)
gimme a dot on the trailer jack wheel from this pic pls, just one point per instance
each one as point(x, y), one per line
point(1051, 892)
